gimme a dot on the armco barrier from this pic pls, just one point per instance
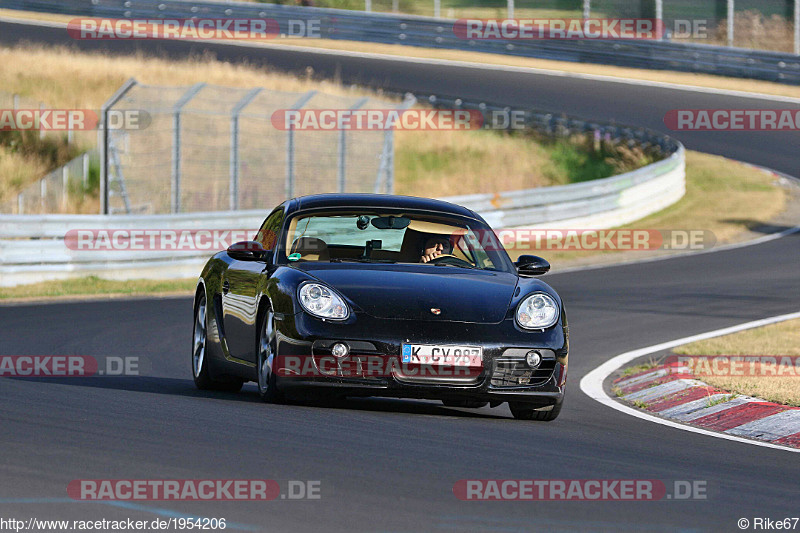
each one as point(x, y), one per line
point(33, 249)
point(438, 33)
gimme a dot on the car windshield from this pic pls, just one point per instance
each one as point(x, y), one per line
point(394, 238)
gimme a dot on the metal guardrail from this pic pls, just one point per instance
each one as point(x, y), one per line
point(438, 33)
point(33, 248)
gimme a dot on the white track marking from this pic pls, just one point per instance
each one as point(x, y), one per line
point(723, 248)
point(592, 383)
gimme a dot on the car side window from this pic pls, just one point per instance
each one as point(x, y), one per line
point(270, 229)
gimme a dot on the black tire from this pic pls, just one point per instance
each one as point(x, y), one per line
point(523, 411)
point(267, 348)
point(203, 379)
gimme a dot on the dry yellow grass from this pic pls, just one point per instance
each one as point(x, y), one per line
point(16, 170)
point(682, 78)
point(722, 196)
point(96, 286)
point(782, 339)
point(456, 162)
point(776, 339)
point(65, 77)
point(32, 15)
point(754, 30)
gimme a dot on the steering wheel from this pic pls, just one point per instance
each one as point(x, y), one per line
point(449, 259)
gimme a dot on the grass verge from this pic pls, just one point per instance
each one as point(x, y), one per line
point(782, 339)
point(93, 285)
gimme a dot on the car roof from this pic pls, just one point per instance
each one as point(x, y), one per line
point(377, 201)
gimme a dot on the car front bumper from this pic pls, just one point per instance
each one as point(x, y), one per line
point(373, 368)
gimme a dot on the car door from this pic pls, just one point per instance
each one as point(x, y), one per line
point(239, 290)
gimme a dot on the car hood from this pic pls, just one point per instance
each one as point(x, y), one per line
point(410, 292)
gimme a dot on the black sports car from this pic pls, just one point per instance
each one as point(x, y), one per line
point(378, 295)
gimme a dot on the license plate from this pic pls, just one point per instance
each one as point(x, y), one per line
point(436, 354)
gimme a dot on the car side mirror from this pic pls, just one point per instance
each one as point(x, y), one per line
point(532, 265)
point(248, 251)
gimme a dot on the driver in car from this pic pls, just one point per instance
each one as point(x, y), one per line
point(434, 247)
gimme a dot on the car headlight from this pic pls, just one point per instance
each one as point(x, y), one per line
point(322, 302)
point(537, 311)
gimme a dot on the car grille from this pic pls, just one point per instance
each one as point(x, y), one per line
point(444, 375)
point(514, 372)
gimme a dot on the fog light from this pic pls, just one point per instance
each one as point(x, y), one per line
point(533, 358)
point(340, 350)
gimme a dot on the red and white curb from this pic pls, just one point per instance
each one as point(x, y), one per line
point(679, 409)
point(670, 392)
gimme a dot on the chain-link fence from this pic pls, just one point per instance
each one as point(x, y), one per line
point(214, 148)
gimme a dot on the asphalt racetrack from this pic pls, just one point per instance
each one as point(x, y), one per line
point(390, 465)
